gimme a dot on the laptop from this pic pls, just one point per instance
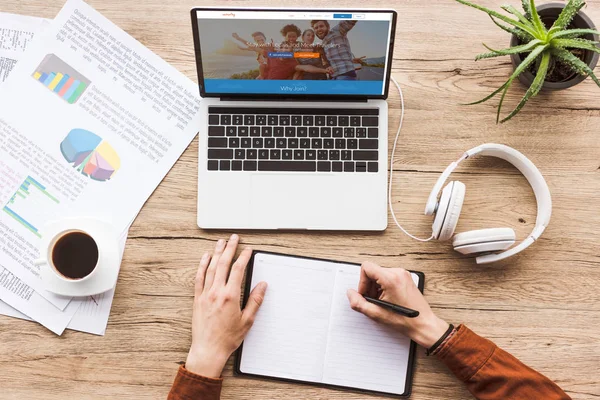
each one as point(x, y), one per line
point(294, 120)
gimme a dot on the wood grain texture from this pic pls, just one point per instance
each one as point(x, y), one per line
point(543, 306)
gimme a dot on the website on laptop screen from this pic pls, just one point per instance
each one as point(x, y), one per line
point(294, 52)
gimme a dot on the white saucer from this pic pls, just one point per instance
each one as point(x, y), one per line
point(104, 277)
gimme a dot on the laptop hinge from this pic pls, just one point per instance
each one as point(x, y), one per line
point(349, 100)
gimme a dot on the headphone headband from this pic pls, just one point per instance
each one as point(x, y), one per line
point(531, 173)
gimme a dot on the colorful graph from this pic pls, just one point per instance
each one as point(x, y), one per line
point(90, 154)
point(61, 78)
point(30, 205)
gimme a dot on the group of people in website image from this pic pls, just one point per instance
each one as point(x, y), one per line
point(297, 56)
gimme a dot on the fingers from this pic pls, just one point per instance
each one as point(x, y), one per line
point(254, 302)
point(225, 260)
point(212, 267)
point(237, 270)
point(358, 303)
point(201, 274)
point(371, 275)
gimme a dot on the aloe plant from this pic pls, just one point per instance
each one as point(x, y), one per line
point(544, 46)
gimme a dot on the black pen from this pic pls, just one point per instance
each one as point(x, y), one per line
point(407, 312)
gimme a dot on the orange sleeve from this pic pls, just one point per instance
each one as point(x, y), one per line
point(189, 386)
point(491, 373)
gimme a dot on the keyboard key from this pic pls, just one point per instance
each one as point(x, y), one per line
point(240, 154)
point(298, 154)
point(242, 131)
point(355, 120)
point(286, 154)
point(372, 167)
point(278, 131)
point(267, 131)
point(324, 166)
point(322, 154)
point(370, 121)
point(373, 132)
point(254, 131)
point(361, 132)
point(269, 143)
point(348, 166)
point(326, 131)
point(365, 155)
point(246, 142)
point(348, 132)
point(281, 143)
point(220, 154)
point(313, 132)
point(368, 144)
point(250, 165)
point(257, 143)
point(311, 154)
point(328, 143)
point(224, 165)
point(343, 121)
point(216, 131)
point(251, 154)
point(352, 143)
point(290, 131)
point(340, 143)
point(261, 120)
point(237, 119)
point(336, 166)
point(284, 120)
point(263, 154)
point(234, 142)
point(346, 155)
point(236, 165)
point(308, 120)
point(331, 120)
point(275, 154)
point(225, 119)
point(334, 155)
point(338, 132)
point(361, 166)
point(291, 166)
point(248, 119)
point(293, 143)
point(273, 119)
point(231, 131)
point(213, 165)
point(217, 142)
point(213, 119)
point(296, 120)
point(317, 143)
point(320, 120)
point(302, 131)
point(305, 143)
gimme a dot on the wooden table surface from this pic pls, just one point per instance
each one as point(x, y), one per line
point(543, 305)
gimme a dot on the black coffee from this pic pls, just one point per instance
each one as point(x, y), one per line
point(75, 255)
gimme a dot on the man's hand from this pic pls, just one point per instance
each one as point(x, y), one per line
point(218, 323)
point(329, 71)
point(236, 36)
point(395, 285)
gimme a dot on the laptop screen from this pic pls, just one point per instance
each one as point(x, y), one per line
point(293, 52)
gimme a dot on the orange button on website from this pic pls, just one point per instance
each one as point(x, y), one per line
point(301, 54)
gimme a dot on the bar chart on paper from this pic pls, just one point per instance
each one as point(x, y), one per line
point(90, 154)
point(31, 205)
point(61, 78)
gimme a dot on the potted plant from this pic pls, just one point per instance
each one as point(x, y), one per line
point(553, 46)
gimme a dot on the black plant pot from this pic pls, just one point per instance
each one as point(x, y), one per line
point(549, 13)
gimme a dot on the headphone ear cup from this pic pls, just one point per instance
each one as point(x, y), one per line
point(484, 240)
point(448, 212)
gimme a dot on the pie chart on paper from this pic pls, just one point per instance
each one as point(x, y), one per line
point(90, 154)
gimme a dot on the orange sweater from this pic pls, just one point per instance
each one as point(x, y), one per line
point(488, 372)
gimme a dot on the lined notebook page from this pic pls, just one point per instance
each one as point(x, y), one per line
point(305, 329)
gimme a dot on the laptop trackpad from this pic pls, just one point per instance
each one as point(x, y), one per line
point(293, 201)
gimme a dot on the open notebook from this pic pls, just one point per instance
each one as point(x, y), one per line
point(306, 331)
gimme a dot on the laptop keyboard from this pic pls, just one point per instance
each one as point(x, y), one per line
point(293, 139)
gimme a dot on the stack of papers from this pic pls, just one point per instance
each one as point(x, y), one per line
point(90, 123)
